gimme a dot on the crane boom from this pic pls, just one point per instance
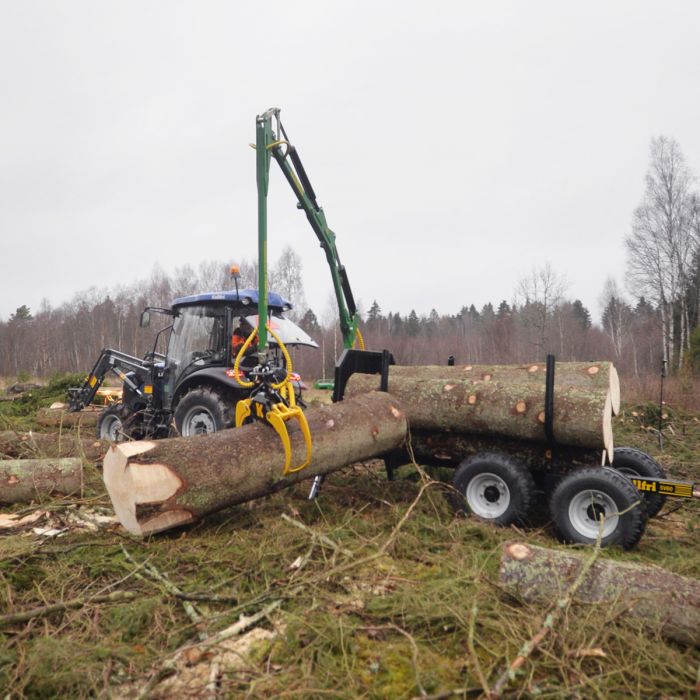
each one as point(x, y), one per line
point(272, 142)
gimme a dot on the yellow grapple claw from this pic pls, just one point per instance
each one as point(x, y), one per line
point(242, 411)
point(278, 418)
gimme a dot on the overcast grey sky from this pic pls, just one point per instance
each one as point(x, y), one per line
point(454, 145)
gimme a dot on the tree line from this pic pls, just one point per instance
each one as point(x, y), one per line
point(660, 322)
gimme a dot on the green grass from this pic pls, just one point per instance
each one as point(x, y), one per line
point(421, 615)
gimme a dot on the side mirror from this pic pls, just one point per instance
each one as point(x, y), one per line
point(145, 321)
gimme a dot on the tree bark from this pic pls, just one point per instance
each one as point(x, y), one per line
point(504, 400)
point(158, 485)
point(36, 445)
point(663, 600)
point(25, 480)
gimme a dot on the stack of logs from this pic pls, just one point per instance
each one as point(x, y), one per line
point(158, 485)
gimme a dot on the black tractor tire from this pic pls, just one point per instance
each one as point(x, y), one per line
point(494, 487)
point(110, 424)
point(202, 410)
point(632, 462)
point(583, 496)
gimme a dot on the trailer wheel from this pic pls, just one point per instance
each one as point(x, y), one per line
point(494, 487)
point(584, 497)
point(110, 424)
point(632, 462)
point(202, 410)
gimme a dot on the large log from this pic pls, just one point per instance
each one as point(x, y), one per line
point(56, 417)
point(158, 485)
point(663, 600)
point(504, 400)
point(36, 445)
point(25, 480)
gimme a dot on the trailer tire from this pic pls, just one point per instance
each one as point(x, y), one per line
point(110, 424)
point(494, 487)
point(632, 462)
point(583, 496)
point(202, 410)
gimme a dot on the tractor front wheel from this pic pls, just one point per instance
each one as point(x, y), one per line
point(110, 424)
point(202, 410)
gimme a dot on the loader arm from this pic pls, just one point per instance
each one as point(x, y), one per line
point(272, 140)
point(114, 361)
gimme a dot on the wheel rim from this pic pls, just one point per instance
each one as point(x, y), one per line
point(198, 421)
point(586, 510)
point(488, 496)
point(111, 428)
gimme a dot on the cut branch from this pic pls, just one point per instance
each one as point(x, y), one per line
point(113, 597)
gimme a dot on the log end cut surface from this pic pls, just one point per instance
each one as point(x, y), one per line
point(131, 484)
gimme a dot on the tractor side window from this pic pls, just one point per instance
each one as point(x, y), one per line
point(197, 337)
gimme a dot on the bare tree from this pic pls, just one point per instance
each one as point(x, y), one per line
point(539, 293)
point(286, 279)
point(617, 317)
point(662, 244)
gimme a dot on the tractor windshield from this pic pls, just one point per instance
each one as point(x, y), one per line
point(197, 339)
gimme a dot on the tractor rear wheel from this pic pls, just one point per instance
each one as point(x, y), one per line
point(587, 500)
point(203, 410)
point(632, 462)
point(494, 487)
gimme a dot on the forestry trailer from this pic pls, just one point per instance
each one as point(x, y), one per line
point(192, 388)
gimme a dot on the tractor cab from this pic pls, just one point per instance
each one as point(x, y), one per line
point(207, 332)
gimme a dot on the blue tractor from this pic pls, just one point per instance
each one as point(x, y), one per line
point(192, 388)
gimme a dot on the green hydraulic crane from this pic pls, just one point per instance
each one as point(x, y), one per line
point(271, 141)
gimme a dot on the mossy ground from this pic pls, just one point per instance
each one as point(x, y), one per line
point(423, 615)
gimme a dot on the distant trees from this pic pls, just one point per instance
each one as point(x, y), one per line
point(69, 338)
point(21, 314)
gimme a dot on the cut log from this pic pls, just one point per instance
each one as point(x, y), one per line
point(36, 445)
point(57, 417)
point(25, 480)
point(22, 387)
point(158, 485)
point(663, 600)
point(503, 401)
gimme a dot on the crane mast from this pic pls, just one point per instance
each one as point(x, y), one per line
point(272, 142)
